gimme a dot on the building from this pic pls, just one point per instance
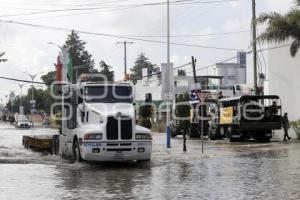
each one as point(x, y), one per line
point(182, 84)
point(283, 76)
point(152, 84)
point(232, 73)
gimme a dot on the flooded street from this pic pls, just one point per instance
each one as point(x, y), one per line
point(225, 171)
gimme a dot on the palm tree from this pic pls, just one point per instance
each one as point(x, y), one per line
point(2, 59)
point(282, 28)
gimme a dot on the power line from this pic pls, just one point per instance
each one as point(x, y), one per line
point(177, 2)
point(190, 35)
point(118, 36)
point(232, 58)
point(62, 5)
point(146, 76)
point(21, 80)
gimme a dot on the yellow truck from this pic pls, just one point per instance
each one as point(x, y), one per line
point(246, 117)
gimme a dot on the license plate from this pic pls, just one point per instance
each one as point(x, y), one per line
point(119, 155)
point(92, 144)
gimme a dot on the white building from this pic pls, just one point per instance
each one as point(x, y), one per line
point(153, 85)
point(284, 75)
point(232, 73)
point(182, 84)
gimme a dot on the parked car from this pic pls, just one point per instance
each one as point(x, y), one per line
point(22, 121)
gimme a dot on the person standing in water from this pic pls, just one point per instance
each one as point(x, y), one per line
point(286, 126)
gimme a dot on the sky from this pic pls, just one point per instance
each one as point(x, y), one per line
point(27, 48)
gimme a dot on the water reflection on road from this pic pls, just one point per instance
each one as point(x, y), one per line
point(225, 171)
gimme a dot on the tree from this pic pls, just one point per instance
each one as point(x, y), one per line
point(107, 71)
point(2, 59)
point(282, 28)
point(80, 57)
point(140, 63)
point(42, 97)
point(49, 78)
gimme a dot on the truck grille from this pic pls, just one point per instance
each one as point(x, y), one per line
point(126, 129)
point(112, 128)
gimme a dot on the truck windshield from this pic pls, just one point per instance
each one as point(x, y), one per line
point(108, 94)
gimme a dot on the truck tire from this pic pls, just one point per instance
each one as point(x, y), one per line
point(193, 132)
point(172, 132)
point(229, 134)
point(212, 133)
point(147, 161)
point(76, 152)
point(55, 145)
point(262, 138)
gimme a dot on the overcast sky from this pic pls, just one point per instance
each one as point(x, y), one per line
point(27, 48)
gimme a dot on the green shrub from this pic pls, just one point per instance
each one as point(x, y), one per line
point(295, 124)
point(159, 127)
point(55, 120)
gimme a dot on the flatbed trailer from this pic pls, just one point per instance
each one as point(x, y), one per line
point(48, 143)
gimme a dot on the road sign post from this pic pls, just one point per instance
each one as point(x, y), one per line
point(202, 96)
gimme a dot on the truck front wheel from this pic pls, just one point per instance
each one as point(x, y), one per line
point(76, 152)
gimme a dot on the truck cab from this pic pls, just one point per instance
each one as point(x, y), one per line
point(98, 124)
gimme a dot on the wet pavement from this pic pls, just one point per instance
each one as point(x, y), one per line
point(225, 171)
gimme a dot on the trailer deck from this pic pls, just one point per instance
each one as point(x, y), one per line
point(48, 143)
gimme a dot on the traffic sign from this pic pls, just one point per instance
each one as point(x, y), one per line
point(202, 95)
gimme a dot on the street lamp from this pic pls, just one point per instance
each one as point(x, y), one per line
point(11, 97)
point(60, 47)
point(21, 104)
point(21, 86)
point(32, 76)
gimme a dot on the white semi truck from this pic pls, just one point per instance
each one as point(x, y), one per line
point(99, 124)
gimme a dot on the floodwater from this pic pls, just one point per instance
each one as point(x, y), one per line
point(225, 171)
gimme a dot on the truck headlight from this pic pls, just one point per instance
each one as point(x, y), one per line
point(143, 136)
point(93, 136)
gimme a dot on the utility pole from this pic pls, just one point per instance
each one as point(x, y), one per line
point(21, 109)
point(168, 32)
point(200, 101)
point(168, 63)
point(254, 45)
point(11, 99)
point(194, 69)
point(125, 56)
point(21, 87)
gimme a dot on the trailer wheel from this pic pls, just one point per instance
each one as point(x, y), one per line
point(76, 152)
